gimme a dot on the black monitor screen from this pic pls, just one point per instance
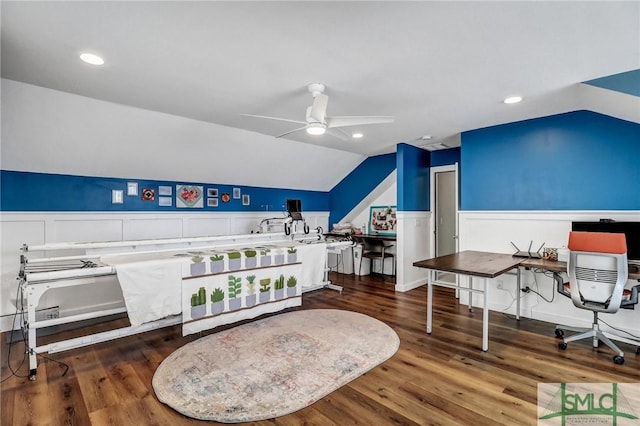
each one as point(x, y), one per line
point(294, 207)
point(630, 229)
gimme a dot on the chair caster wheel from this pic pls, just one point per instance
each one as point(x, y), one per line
point(618, 359)
point(562, 345)
point(559, 332)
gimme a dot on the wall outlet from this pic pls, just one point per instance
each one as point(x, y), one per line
point(500, 284)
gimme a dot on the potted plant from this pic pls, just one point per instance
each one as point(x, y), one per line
point(265, 257)
point(198, 267)
point(250, 259)
point(234, 260)
point(198, 303)
point(291, 286)
point(217, 304)
point(217, 263)
point(250, 300)
point(278, 259)
point(292, 257)
point(265, 290)
point(278, 286)
point(235, 288)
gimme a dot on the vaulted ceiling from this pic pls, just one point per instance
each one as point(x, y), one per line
point(440, 68)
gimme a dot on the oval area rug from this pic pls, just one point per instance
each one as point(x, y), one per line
point(272, 367)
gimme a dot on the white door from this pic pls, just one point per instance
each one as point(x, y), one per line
point(444, 217)
point(445, 212)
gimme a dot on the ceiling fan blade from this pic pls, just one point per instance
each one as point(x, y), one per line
point(275, 118)
point(337, 133)
point(357, 121)
point(291, 131)
point(319, 108)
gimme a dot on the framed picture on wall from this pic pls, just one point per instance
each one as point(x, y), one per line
point(382, 220)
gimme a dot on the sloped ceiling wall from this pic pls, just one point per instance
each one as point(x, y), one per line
point(49, 131)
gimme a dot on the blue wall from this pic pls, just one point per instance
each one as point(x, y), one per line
point(574, 161)
point(445, 157)
point(413, 178)
point(358, 184)
point(23, 191)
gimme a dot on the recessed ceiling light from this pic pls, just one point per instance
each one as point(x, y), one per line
point(92, 59)
point(426, 137)
point(512, 100)
point(357, 135)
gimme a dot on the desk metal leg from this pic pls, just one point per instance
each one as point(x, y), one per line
point(518, 285)
point(485, 317)
point(470, 286)
point(429, 300)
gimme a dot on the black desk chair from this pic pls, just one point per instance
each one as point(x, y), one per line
point(376, 249)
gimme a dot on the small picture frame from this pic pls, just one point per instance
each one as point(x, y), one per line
point(148, 194)
point(212, 192)
point(132, 188)
point(236, 193)
point(165, 191)
point(382, 220)
point(117, 196)
point(212, 202)
point(165, 201)
point(246, 200)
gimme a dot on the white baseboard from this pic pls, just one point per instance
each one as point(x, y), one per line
point(411, 285)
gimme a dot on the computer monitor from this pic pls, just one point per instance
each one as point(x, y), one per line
point(631, 230)
point(294, 208)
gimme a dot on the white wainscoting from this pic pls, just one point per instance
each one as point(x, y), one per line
point(43, 228)
point(493, 231)
point(414, 240)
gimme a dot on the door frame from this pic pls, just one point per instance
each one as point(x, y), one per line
point(432, 190)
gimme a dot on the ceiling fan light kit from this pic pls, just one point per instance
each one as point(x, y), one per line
point(317, 122)
point(316, 129)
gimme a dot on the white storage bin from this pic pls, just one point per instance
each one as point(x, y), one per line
point(340, 260)
point(366, 263)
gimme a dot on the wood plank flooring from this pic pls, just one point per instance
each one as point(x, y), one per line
point(438, 379)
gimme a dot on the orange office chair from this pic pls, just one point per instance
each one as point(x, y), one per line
point(598, 271)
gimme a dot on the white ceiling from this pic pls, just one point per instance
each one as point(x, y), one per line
point(439, 67)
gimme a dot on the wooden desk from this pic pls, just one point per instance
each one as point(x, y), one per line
point(551, 266)
point(379, 237)
point(555, 266)
point(472, 264)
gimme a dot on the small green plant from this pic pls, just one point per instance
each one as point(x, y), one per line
point(292, 250)
point(292, 281)
point(197, 259)
point(216, 257)
point(199, 298)
point(235, 286)
point(217, 295)
point(279, 283)
point(251, 285)
point(265, 285)
point(265, 252)
point(234, 255)
point(250, 253)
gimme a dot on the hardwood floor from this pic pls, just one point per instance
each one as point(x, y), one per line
point(438, 379)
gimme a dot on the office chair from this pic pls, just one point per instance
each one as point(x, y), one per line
point(598, 271)
point(375, 249)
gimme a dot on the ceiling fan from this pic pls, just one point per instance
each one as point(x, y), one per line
point(318, 123)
